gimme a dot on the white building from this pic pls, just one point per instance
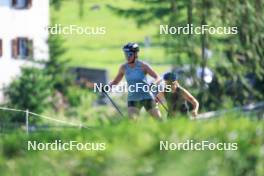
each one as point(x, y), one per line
point(23, 36)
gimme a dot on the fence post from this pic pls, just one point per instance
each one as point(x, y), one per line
point(27, 126)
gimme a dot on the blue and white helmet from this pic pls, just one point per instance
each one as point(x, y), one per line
point(131, 47)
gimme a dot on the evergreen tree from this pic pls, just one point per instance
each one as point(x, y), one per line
point(243, 76)
point(56, 66)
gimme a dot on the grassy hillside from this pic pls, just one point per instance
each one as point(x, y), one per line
point(133, 149)
point(104, 51)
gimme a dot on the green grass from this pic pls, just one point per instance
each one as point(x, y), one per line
point(133, 149)
point(104, 51)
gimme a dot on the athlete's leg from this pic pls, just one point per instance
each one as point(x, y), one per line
point(152, 108)
point(133, 112)
point(155, 112)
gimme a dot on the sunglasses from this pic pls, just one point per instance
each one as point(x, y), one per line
point(129, 54)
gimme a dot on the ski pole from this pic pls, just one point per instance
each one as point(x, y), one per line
point(166, 109)
point(113, 103)
point(90, 84)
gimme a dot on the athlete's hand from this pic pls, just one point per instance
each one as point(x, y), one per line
point(153, 88)
point(194, 113)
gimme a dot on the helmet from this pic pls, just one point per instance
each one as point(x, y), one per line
point(170, 76)
point(131, 47)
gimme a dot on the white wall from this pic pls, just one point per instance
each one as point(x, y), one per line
point(30, 23)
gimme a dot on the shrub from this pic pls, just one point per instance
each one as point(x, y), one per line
point(29, 91)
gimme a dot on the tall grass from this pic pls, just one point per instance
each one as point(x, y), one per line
point(133, 149)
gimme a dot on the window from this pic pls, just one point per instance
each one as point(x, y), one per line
point(21, 4)
point(22, 48)
point(1, 48)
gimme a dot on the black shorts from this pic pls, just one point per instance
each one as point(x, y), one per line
point(148, 104)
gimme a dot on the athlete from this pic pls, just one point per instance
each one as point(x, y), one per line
point(135, 72)
point(177, 97)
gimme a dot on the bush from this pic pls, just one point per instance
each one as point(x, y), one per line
point(30, 91)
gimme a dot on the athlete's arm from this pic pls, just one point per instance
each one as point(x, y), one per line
point(187, 96)
point(119, 76)
point(147, 69)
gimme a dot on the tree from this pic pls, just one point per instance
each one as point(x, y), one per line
point(245, 51)
point(56, 66)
